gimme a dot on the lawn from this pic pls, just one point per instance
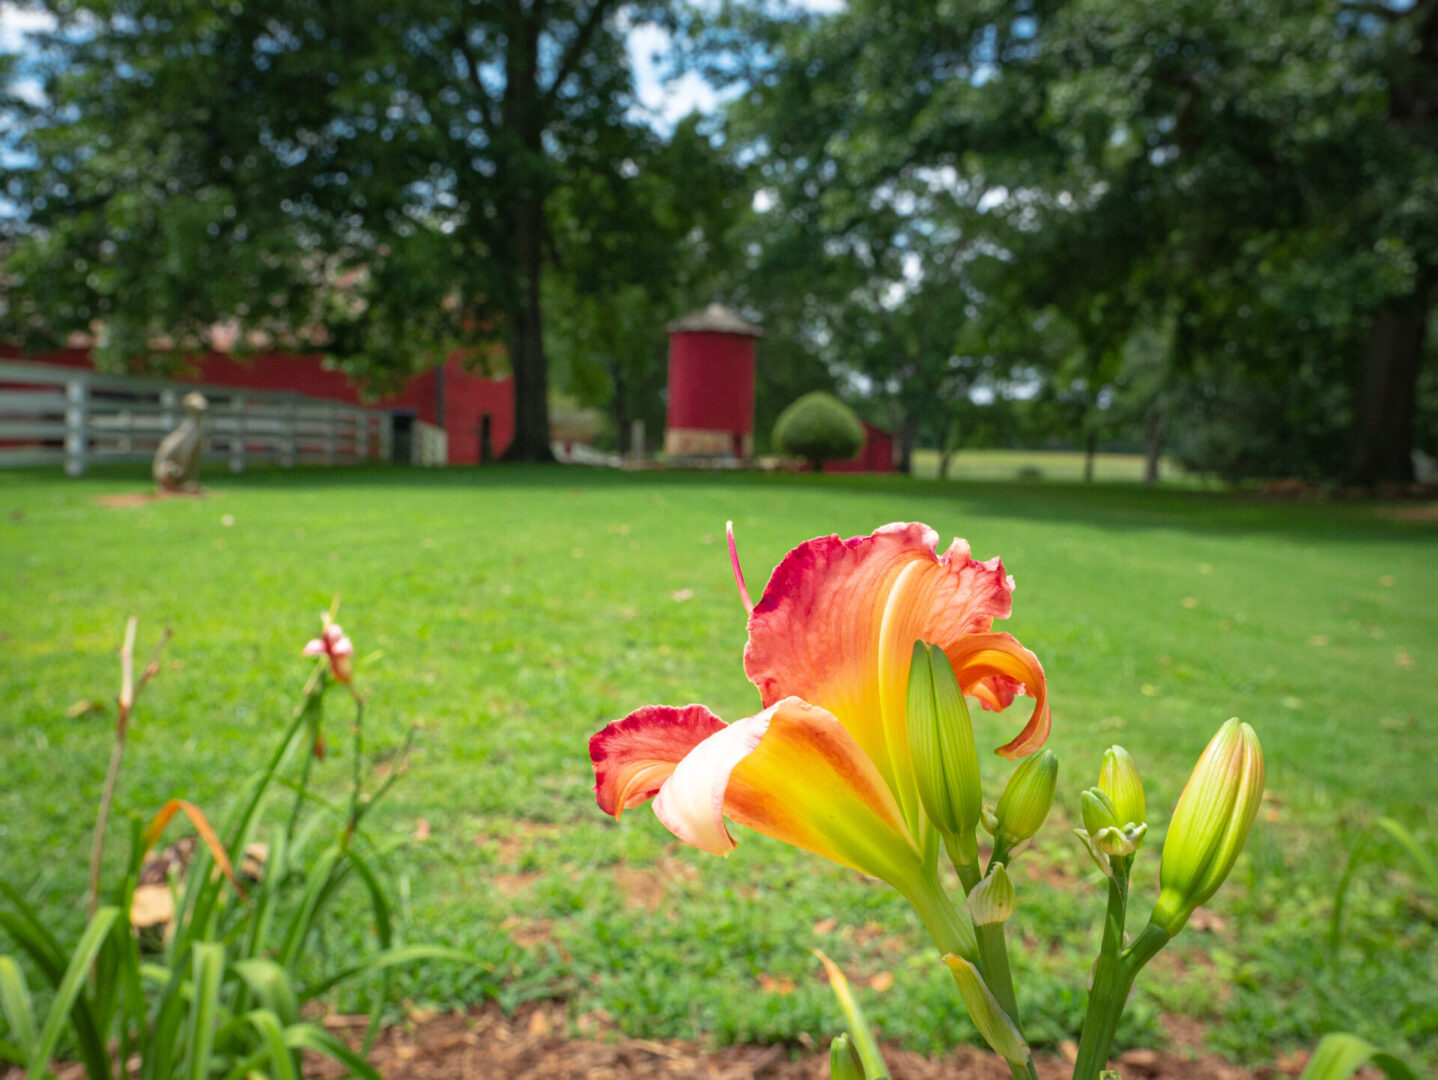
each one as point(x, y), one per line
point(509, 613)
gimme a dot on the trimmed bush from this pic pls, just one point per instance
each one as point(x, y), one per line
point(818, 427)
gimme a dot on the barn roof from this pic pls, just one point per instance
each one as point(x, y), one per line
point(715, 319)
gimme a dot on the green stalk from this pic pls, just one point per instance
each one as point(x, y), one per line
point(951, 932)
point(1113, 978)
point(994, 959)
point(353, 819)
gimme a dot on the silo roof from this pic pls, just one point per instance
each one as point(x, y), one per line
point(715, 319)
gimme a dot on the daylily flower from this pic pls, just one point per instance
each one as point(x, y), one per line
point(333, 643)
point(826, 765)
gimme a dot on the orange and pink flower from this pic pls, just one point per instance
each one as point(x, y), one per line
point(333, 644)
point(826, 764)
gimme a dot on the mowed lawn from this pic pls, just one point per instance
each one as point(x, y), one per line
point(509, 613)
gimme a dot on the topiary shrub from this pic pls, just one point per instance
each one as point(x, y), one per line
point(818, 428)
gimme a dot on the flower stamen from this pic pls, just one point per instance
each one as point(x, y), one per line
point(738, 572)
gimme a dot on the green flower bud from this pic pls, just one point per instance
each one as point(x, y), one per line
point(1118, 779)
point(1210, 823)
point(1098, 812)
point(995, 1025)
point(992, 899)
point(1027, 799)
point(941, 743)
point(844, 1061)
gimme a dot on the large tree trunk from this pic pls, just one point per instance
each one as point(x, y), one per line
point(1152, 444)
point(908, 437)
point(1381, 450)
point(1089, 452)
point(523, 117)
point(531, 375)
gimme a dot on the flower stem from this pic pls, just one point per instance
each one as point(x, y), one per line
point(951, 931)
point(1113, 978)
point(353, 819)
point(994, 961)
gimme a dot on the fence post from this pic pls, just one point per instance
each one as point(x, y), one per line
point(237, 438)
point(77, 426)
point(386, 435)
point(329, 437)
point(289, 430)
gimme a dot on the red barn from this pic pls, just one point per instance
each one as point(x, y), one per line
point(471, 409)
point(711, 385)
point(876, 455)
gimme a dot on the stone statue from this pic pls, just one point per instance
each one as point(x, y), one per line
point(177, 461)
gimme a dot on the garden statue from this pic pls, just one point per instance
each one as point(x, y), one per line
point(177, 460)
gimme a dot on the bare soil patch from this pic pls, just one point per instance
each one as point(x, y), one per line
point(533, 1044)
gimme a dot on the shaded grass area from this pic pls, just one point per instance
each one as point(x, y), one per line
point(1042, 465)
point(510, 613)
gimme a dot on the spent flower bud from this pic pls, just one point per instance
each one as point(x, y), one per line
point(1210, 824)
point(995, 1025)
point(992, 899)
point(1027, 799)
point(1118, 780)
point(941, 743)
point(844, 1061)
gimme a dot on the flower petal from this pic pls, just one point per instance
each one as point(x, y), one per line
point(794, 773)
point(995, 667)
point(341, 646)
point(633, 757)
point(313, 647)
point(837, 624)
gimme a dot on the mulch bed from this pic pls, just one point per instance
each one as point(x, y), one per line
point(533, 1045)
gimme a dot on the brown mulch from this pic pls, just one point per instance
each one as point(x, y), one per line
point(533, 1045)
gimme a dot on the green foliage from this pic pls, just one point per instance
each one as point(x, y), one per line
point(1341, 1055)
point(818, 428)
point(225, 994)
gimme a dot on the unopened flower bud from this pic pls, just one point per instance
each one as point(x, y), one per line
point(844, 1061)
point(1027, 799)
point(992, 899)
point(1210, 824)
point(1097, 811)
point(941, 743)
point(1118, 780)
point(995, 1025)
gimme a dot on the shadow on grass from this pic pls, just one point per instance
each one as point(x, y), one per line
point(1112, 505)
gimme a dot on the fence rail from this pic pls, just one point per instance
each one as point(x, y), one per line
point(50, 414)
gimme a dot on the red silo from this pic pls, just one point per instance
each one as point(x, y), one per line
point(711, 385)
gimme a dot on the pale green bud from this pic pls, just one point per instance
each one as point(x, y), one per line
point(998, 1030)
point(992, 899)
point(941, 743)
point(1097, 811)
point(1027, 799)
point(1210, 824)
point(1118, 779)
point(844, 1061)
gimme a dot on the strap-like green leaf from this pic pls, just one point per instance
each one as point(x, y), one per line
point(405, 954)
point(310, 1037)
point(209, 970)
point(865, 1047)
point(272, 1034)
point(69, 989)
point(271, 986)
point(1340, 1055)
point(18, 1008)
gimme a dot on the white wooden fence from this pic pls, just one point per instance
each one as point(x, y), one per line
point(50, 414)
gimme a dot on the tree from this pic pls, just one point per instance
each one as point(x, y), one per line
point(366, 178)
point(819, 428)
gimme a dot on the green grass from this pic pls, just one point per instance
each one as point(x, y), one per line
point(511, 613)
point(1047, 465)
